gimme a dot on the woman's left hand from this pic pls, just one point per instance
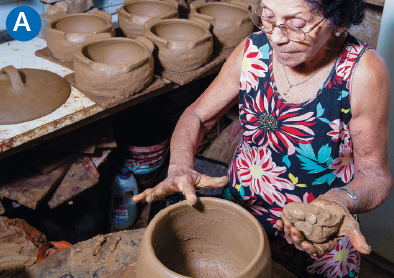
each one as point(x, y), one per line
point(349, 227)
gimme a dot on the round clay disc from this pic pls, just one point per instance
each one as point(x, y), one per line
point(28, 94)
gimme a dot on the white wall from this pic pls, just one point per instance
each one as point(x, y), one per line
point(378, 225)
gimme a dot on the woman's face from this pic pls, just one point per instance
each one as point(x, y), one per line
point(296, 13)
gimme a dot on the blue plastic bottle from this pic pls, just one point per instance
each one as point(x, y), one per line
point(123, 208)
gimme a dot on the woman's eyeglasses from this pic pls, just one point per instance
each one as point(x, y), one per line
point(292, 33)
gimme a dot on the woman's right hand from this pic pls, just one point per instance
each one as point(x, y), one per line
point(181, 179)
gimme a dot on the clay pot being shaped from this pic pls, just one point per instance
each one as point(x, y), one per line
point(230, 21)
point(181, 45)
point(214, 238)
point(65, 34)
point(133, 14)
point(28, 94)
point(114, 67)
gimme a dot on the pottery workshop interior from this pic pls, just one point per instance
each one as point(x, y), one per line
point(196, 138)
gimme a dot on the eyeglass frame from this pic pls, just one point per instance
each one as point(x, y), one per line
point(280, 26)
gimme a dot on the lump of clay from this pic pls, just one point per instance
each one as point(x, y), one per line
point(314, 223)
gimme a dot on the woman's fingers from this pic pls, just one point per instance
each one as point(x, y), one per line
point(358, 241)
point(279, 225)
point(204, 181)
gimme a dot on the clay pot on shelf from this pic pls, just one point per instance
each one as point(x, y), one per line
point(114, 67)
point(181, 45)
point(28, 94)
point(65, 34)
point(133, 14)
point(204, 241)
point(230, 21)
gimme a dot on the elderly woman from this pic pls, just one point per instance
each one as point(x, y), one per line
point(313, 104)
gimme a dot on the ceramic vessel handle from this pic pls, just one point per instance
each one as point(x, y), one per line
point(104, 14)
point(96, 37)
point(123, 12)
point(15, 78)
point(56, 16)
point(147, 43)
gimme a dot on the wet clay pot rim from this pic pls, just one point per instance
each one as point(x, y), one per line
point(173, 209)
point(202, 25)
point(102, 38)
point(59, 17)
point(197, 5)
point(172, 5)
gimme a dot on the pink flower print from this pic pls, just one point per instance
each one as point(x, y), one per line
point(348, 60)
point(256, 170)
point(339, 131)
point(269, 122)
point(344, 164)
point(252, 67)
point(339, 262)
point(251, 204)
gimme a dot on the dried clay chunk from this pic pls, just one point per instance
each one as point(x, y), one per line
point(314, 223)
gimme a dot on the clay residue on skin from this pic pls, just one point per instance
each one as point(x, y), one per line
point(204, 241)
point(314, 223)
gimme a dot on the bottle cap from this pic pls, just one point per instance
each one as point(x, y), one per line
point(124, 173)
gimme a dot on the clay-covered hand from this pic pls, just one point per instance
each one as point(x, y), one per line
point(181, 179)
point(318, 227)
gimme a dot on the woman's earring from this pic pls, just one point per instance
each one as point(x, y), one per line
point(337, 34)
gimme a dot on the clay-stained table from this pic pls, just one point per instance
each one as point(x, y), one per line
point(113, 261)
point(78, 110)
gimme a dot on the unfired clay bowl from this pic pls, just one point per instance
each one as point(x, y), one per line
point(181, 45)
point(133, 14)
point(230, 21)
point(114, 67)
point(66, 33)
point(215, 238)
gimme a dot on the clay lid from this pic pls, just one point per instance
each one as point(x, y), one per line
point(28, 94)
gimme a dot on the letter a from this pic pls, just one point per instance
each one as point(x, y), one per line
point(18, 22)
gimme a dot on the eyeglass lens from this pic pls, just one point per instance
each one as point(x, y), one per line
point(265, 25)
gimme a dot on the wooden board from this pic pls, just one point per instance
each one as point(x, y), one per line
point(106, 103)
point(47, 54)
point(26, 186)
point(44, 162)
point(77, 180)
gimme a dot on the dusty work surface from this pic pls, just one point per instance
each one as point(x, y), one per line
point(110, 258)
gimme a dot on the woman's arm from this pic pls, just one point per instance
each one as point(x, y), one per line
point(372, 182)
point(197, 120)
point(370, 104)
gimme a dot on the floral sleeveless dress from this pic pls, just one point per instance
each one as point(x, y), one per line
point(293, 152)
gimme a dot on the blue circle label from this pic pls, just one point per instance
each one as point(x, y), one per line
point(23, 23)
